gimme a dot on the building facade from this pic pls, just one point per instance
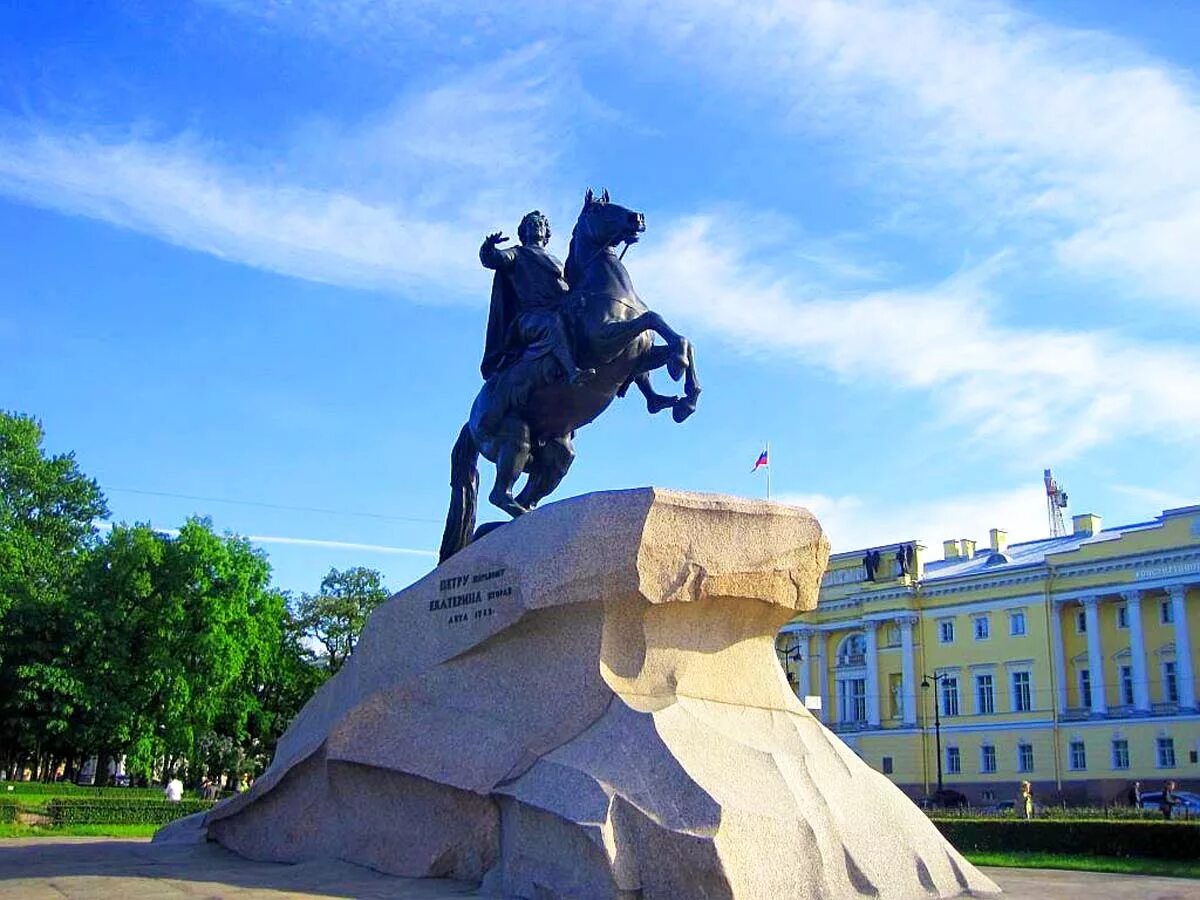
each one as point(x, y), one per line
point(1069, 662)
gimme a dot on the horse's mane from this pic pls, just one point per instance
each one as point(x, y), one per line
point(572, 269)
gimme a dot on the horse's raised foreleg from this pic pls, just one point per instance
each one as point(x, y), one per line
point(686, 405)
point(512, 455)
point(680, 347)
point(654, 358)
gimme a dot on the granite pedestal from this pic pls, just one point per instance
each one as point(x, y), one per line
point(587, 703)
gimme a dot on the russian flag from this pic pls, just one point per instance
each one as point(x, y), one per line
point(762, 461)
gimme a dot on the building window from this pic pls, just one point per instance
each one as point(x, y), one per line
point(1127, 685)
point(1120, 753)
point(1166, 753)
point(1078, 755)
point(987, 758)
point(852, 650)
point(854, 699)
point(985, 695)
point(953, 761)
point(893, 636)
point(1166, 612)
point(949, 696)
point(887, 765)
point(1170, 684)
point(1016, 624)
point(1085, 687)
point(987, 795)
point(983, 628)
point(1024, 757)
point(1122, 616)
point(1081, 622)
point(946, 631)
point(1022, 692)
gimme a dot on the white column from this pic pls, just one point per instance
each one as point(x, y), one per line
point(1137, 651)
point(1060, 665)
point(1091, 611)
point(908, 669)
point(871, 658)
point(803, 664)
point(1183, 648)
point(827, 707)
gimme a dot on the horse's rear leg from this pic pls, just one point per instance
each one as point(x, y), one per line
point(512, 455)
point(550, 464)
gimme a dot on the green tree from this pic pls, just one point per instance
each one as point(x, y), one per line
point(335, 617)
point(47, 511)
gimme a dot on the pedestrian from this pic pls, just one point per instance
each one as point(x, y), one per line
point(1025, 800)
point(174, 789)
point(1169, 799)
point(208, 790)
point(1135, 795)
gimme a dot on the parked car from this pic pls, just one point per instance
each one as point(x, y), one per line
point(1188, 802)
point(1001, 808)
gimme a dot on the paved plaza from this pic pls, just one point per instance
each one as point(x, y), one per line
point(101, 868)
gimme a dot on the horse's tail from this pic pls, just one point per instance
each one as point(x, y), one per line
point(464, 494)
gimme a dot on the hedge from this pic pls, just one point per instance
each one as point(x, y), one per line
point(120, 811)
point(8, 810)
point(1092, 837)
point(66, 788)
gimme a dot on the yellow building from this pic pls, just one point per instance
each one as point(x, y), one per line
point(1069, 662)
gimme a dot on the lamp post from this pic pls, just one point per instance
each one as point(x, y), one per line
point(937, 721)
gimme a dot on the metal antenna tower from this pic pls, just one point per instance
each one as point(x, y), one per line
point(1056, 502)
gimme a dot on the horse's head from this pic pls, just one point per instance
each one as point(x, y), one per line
point(606, 224)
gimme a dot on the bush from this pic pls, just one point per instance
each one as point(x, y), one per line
point(8, 810)
point(1090, 837)
point(120, 811)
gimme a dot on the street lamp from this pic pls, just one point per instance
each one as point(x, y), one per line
point(937, 721)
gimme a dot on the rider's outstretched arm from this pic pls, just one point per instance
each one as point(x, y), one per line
point(493, 257)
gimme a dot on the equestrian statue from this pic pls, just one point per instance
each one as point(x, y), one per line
point(561, 344)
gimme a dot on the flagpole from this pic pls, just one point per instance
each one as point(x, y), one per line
point(768, 470)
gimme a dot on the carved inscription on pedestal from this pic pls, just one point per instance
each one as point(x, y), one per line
point(472, 597)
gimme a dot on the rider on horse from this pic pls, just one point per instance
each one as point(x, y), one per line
point(527, 294)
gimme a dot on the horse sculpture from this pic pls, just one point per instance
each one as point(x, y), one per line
point(526, 414)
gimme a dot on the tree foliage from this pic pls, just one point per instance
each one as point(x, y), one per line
point(169, 650)
point(335, 617)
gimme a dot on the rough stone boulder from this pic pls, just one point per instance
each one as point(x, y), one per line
point(587, 703)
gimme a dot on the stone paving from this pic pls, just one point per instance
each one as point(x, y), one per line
point(102, 868)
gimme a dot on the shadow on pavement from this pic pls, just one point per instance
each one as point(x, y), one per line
point(99, 867)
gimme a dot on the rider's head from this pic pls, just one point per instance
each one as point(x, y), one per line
point(534, 229)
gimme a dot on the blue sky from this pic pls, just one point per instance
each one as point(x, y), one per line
point(924, 249)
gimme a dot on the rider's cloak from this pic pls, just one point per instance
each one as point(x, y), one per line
point(503, 310)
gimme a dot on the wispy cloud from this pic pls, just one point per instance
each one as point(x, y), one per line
point(396, 202)
point(302, 542)
point(340, 545)
point(852, 522)
point(1059, 391)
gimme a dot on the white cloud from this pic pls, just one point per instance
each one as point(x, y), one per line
point(852, 522)
point(1039, 131)
point(1059, 392)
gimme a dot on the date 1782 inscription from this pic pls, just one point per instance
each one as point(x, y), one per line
point(468, 597)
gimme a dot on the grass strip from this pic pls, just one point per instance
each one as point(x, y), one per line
point(21, 830)
point(1119, 865)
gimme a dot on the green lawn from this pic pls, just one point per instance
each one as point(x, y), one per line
point(1116, 864)
point(16, 830)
